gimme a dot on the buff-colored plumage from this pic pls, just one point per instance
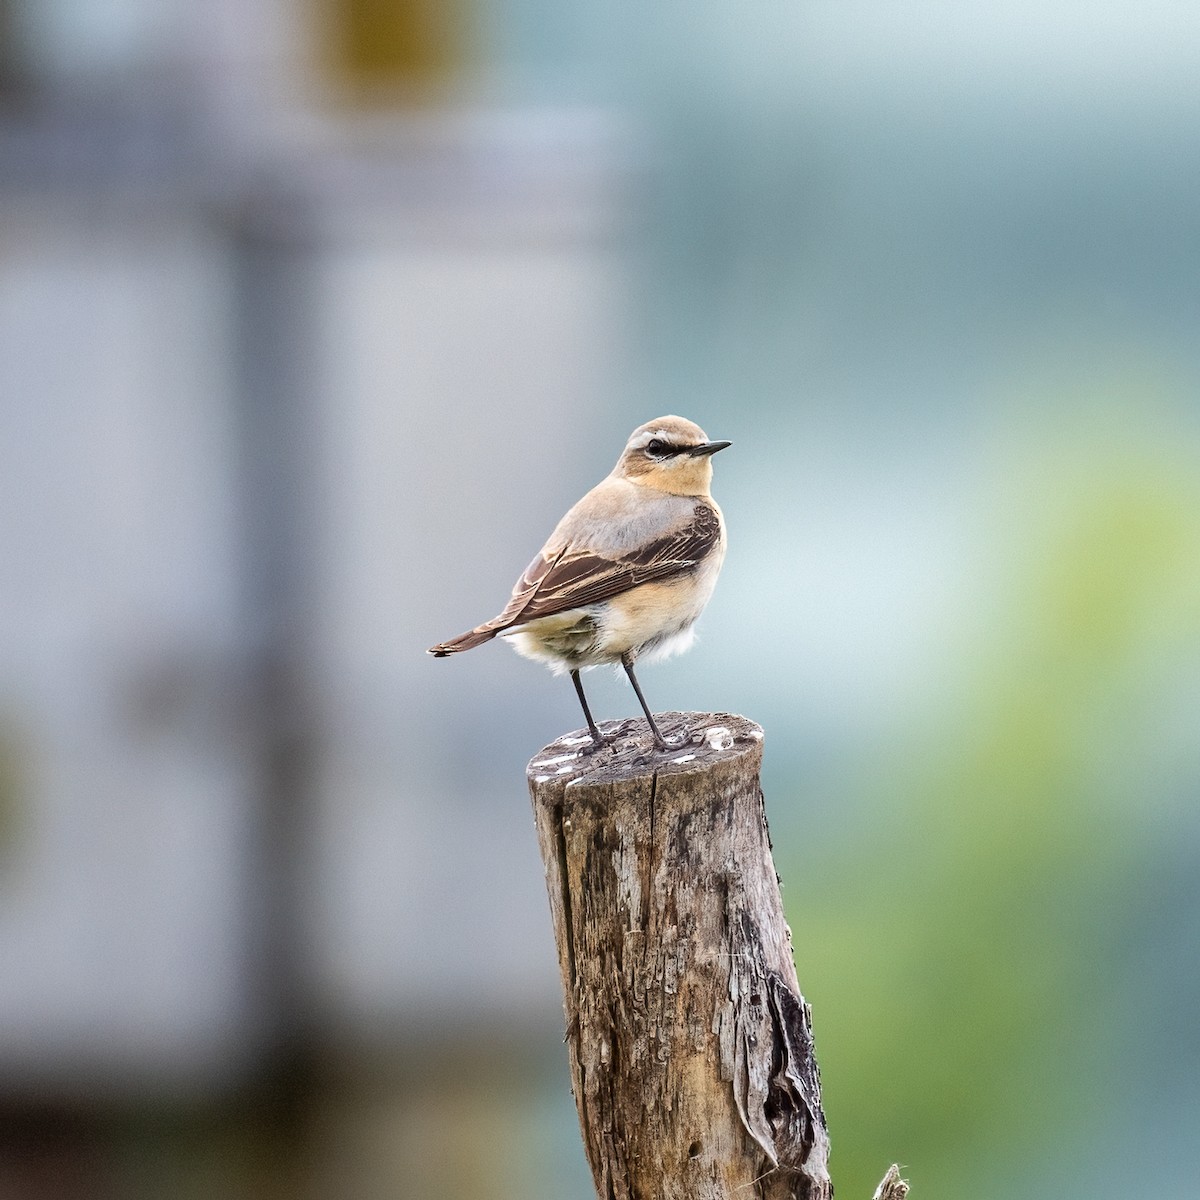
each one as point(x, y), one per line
point(629, 568)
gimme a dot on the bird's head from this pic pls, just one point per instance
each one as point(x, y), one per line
point(669, 454)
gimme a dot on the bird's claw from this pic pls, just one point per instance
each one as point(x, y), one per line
point(600, 741)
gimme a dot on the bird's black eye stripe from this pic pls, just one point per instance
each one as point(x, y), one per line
point(660, 449)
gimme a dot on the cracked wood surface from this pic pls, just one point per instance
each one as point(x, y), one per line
point(690, 1043)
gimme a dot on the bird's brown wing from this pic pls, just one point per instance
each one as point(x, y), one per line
point(576, 578)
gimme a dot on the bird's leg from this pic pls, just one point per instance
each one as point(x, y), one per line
point(598, 739)
point(627, 663)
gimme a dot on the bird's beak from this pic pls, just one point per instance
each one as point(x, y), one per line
point(707, 448)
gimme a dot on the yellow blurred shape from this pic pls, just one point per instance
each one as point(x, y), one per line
point(385, 44)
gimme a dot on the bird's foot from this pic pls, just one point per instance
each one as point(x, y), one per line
point(600, 741)
point(670, 744)
point(676, 738)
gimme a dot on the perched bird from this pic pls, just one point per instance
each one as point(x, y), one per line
point(627, 571)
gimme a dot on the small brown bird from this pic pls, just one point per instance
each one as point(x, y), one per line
point(627, 571)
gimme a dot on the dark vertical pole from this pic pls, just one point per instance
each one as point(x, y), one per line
point(274, 326)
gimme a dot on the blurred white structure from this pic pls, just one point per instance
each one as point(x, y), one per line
point(236, 334)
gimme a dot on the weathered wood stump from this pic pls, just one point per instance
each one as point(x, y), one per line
point(690, 1042)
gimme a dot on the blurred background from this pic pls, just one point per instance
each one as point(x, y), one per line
point(316, 314)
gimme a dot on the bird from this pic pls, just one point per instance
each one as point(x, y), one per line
point(626, 572)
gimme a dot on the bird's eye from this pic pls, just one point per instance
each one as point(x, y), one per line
point(657, 447)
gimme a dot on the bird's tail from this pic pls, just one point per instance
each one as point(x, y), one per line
point(466, 641)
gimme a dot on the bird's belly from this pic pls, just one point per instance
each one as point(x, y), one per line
point(653, 621)
point(656, 619)
point(646, 614)
point(566, 641)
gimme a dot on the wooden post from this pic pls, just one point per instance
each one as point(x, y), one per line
point(690, 1043)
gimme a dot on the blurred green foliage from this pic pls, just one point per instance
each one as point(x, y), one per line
point(964, 963)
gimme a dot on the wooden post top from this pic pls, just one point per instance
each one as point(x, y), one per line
point(694, 742)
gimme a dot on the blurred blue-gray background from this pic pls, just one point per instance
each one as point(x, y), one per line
point(316, 314)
